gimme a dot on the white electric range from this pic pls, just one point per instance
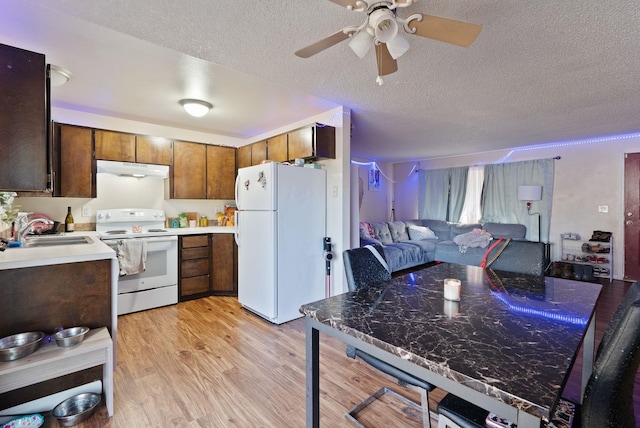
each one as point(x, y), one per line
point(158, 284)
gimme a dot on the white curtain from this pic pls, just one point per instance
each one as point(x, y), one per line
point(472, 208)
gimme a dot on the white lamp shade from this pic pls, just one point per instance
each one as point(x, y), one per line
point(529, 193)
point(196, 108)
point(397, 46)
point(361, 43)
point(384, 25)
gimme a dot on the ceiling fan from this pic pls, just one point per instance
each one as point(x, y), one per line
point(381, 29)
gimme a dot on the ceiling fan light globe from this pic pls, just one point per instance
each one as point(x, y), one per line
point(397, 46)
point(361, 43)
point(384, 25)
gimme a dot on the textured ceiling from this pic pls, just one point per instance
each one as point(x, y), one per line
point(540, 71)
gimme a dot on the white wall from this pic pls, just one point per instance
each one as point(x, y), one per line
point(590, 173)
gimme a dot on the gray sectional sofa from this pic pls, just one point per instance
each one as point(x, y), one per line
point(411, 243)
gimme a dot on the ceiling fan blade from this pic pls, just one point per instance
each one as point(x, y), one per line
point(345, 3)
point(446, 30)
point(323, 44)
point(386, 64)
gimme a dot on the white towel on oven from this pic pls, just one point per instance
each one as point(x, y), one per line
point(132, 256)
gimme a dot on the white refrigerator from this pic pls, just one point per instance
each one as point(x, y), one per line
point(280, 230)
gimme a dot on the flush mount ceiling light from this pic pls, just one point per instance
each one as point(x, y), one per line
point(58, 75)
point(382, 28)
point(196, 108)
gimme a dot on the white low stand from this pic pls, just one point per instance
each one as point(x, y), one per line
point(51, 361)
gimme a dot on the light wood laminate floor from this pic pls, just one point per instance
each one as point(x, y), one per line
point(210, 363)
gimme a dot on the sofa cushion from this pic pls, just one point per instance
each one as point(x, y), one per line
point(398, 231)
point(459, 228)
point(417, 233)
point(440, 227)
point(383, 234)
point(403, 255)
point(502, 230)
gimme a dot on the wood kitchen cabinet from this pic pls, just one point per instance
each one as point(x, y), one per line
point(153, 150)
point(258, 152)
point(74, 164)
point(221, 172)
point(123, 147)
point(277, 148)
point(224, 262)
point(243, 157)
point(194, 268)
point(41, 298)
point(189, 172)
point(24, 107)
point(115, 146)
point(311, 142)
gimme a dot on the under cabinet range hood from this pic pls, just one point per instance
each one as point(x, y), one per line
point(130, 169)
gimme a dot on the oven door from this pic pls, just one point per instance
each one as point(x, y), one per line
point(161, 269)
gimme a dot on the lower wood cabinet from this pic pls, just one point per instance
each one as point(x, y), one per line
point(207, 266)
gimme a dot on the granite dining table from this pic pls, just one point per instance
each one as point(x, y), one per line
point(508, 345)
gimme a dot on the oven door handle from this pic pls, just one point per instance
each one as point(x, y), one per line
point(168, 238)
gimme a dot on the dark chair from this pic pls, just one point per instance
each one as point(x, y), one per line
point(364, 268)
point(608, 398)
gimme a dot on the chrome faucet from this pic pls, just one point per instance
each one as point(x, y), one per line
point(23, 229)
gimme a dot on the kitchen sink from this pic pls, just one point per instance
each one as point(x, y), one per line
point(50, 241)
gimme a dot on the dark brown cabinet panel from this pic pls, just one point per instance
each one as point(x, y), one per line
point(244, 156)
point(277, 148)
point(258, 152)
point(224, 278)
point(310, 142)
point(154, 150)
point(24, 147)
point(194, 268)
point(74, 163)
point(221, 172)
point(115, 146)
point(189, 178)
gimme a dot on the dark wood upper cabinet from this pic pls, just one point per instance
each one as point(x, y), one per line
point(189, 178)
point(115, 146)
point(277, 148)
point(221, 172)
point(313, 142)
point(75, 165)
point(258, 152)
point(24, 110)
point(154, 150)
point(243, 158)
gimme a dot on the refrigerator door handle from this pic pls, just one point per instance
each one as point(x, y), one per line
point(235, 221)
point(236, 191)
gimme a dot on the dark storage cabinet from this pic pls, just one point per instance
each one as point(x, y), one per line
point(24, 107)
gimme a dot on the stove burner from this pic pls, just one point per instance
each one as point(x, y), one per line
point(156, 230)
point(115, 232)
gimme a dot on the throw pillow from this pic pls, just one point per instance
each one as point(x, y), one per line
point(417, 233)
point(366, 230)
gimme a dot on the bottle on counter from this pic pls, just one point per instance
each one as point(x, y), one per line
point(69, 225)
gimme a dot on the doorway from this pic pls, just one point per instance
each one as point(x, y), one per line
point(631, 216)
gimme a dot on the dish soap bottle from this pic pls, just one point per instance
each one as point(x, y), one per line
point(69, 225)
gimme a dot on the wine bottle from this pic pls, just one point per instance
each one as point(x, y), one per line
point(69, 225)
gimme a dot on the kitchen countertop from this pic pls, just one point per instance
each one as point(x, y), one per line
point(21, 257)
point(197, 230)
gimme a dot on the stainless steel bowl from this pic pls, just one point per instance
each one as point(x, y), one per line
point(19, 345)
point(76, 409)
point(70, 336)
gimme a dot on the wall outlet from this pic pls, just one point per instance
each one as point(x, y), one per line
point(219, 210)
point(86, 211)
point(603, 208)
